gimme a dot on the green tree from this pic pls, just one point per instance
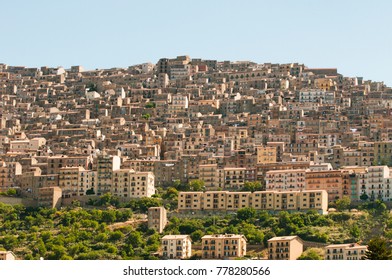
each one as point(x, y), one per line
point(364, 197)
point(378, 249)
point(252, 186)
point(246, 214)
point(343, 203)
point(197, 185)
point(312, 254)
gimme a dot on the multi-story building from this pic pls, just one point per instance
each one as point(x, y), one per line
point(266, 154)
point(283, 180)
point(234, 177)
point(49, 197)
point(106, 164)
point(285, 248)
point(351, 251)
point(157, 218)
point(69, 181)
point(331, 181)
point(262, 200)
point(223, 246)
point(8, 174)
point(176, 247)
point(376, 183)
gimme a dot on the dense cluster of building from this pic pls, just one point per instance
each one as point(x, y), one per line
point(128, 130)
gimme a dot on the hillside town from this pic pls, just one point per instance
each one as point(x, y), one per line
point(306, 137)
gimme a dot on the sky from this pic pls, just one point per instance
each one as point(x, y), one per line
point(353, 36)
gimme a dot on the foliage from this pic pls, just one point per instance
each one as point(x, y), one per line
point(252, 186)
point(150, 105)
point(312, 254)
point(378, 249)
point(343, 203)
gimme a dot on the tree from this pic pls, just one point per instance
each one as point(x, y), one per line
point(197, 185)
point(343, 203)
point(364, 197)
point(246, 214)
point(252, 186)
point(312, 254)
point(378, 249)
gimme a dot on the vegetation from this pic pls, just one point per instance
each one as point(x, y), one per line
point(111, 231)
point(378, 250)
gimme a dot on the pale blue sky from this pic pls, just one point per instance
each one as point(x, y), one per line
point(354, 36)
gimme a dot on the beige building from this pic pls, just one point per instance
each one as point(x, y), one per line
point(261, 200)
point(208, 173)
point(176, 247)
point(234, 177)
point(69, 180)
point(351, 251)
point(87, 182)
point(223, 246)
point(7, 256)
point(266, 154)
point(105, 166)
point(128, 183)
point(285, 248)
point(8, 174)
point(284, 180)
point(157, 218)
point(49, 197)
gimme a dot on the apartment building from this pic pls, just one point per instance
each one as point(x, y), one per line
point(234, 177)
point(7, 256)
point(376, 183)
point(266, 154)
point(49, 197)
point(285, 248)
point(130, 184)
point(8, 174)
point(69, 181)
point(223, 246)
point(331, 181)
point(284, 180)
point(351, 251)
point(106, 164)
point(157, 218)
point(176, 247)
point(260, 200)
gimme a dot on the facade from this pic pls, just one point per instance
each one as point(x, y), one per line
point(49, 197)
point(284, 180)
point(352, 251)
point(176, 247)
point(7, 256)
point(262, 200)
point(157, 218)
point(223, 246)
point(284, 248)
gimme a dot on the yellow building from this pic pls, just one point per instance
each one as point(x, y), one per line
point(266, 154)
point(234, 177)
point(285, 248)
point(261, 200)
point(223, 246)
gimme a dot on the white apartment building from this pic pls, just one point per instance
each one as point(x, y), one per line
point(176, 246)
point(280, 180)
